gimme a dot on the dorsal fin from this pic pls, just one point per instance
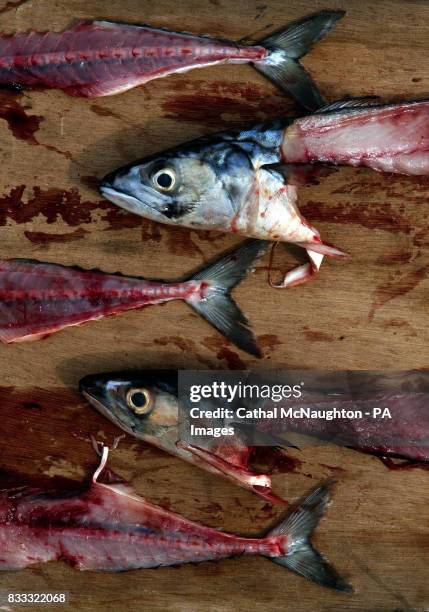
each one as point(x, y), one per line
point(349, 104)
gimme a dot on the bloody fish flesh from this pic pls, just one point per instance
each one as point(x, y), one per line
point(102, 58)
point(245, 181)
point(110, 528)
point(38, 299)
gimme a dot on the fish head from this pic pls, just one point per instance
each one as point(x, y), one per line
point(201, 185)
point(145, 404)
point(142, 403)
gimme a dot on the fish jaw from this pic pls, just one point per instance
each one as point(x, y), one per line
point(387, 138)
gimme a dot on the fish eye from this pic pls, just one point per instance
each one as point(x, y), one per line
point(139, 401)
point(164, 179)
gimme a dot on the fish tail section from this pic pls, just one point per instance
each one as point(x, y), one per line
point(290, 44)
point(215, 303)
point(301, 557)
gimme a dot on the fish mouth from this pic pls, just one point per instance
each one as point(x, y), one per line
point(101, 408)
point(124, 200)
point(148, 203)
point(92, 390)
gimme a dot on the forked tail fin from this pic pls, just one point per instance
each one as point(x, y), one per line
point(287, 47)
point(302, 558)
point(217, 305)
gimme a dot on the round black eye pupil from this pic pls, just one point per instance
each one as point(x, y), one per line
point(139, 399)
point(164, 180)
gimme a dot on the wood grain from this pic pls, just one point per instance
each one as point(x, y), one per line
point(366, 313)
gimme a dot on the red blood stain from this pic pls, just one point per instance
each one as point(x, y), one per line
point(268, 511)
point(378, 216)
point(54, 204)
point(268, 459)
point(396, 287)
point(218, 345)
point(22, 125)
point(44, 238)
point(49, 147)
point(232, 359)
point(179, 342)
point(223, 103)
point(180, 242)
point(403, 465)
point(12, 4)
point(318, 336)
point(151, 232)
point(185, 345)
point(214, 509)
point(268, 342)
point(395, 323)
point(117, 219)
point(102, 111)
point(400, 257)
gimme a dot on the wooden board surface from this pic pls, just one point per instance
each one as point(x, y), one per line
point(370, 312)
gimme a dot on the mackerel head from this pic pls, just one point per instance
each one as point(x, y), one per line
point(145, 404)
point(235, 181)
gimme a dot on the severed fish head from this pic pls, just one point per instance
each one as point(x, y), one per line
point(145, 404)
point(142, 403)
point(225, 182)
point(194, 187)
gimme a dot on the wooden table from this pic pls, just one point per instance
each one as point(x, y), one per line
point(367, 313)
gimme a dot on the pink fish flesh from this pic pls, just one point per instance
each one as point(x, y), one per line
point(387, 138)
point(103, 58)
point(110, 528)
point(38, 299)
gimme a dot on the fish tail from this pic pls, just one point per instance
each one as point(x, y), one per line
point(286, 48)
point(216, 304)
point(301, 557)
